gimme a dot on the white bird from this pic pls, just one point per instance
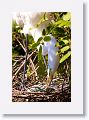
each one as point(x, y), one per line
point(29, 22)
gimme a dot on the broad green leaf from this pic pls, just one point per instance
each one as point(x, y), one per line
point(34, 45)
point(58, 31)
point(67, 16)
point(40, 53)
point(58, 22)
point(64, 49)
point(30, 39)
point(47, 38)
point(57, 44)
point(65, 57)
point(65, 41)
point(62, 23)
point(41, 71)
point(39, 40)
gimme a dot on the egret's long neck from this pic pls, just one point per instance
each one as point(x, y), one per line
point(37, 31)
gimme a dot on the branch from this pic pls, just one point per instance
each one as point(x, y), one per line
point(21, 45)
point(22, 65)
point(33, 67)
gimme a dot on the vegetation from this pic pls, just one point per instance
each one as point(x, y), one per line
point(36, 72)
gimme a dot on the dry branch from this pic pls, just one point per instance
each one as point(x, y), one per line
point(22, 65)
point(34, 69)
point(21, 45)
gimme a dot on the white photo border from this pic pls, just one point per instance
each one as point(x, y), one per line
point(6, 10)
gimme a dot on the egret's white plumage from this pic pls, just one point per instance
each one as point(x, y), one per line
point(50, 49)
point(29, 22)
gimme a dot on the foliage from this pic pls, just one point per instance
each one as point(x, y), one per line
point(60, 28)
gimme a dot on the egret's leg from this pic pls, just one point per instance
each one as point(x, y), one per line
point(25, 65)
point(49, 76)
point(49, 79)
point(48, 71)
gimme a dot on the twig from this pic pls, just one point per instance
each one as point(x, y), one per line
point(22, 65)
point(15, 63)
point(33, 67)
point(34, 71)
point(34, 58)
point(21, 45)
point(17, 93)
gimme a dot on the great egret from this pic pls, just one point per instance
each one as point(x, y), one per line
point(29, 21)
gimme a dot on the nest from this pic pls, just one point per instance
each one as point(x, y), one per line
point(37, 93)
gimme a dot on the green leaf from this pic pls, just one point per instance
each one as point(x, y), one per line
point(65, 57)
point(34, 45)
point(39, 40)
point(43, 32)
point(67, 16)
point(65, 41)
point(62, 23)
point(58, 31)
point(57, 44)
point(30, 39)
point(58, 22)
point(40, 53)
point(41, 71)
point(64, 49)
point(14, 24)
point(47, 38)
